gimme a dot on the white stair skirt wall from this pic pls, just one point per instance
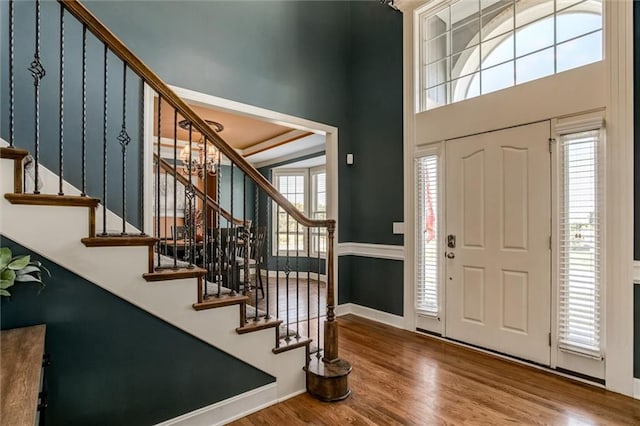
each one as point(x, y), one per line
point(55, 232)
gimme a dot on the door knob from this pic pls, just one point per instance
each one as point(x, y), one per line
point(451, 255)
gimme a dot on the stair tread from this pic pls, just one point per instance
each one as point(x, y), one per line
point(119, 240)
point(218, 302)
point(13, 153)
point(261, 324)
point(293, 343)
point(174, 274)
point(52, 200)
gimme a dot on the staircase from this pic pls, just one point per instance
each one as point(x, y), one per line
point(208, 290)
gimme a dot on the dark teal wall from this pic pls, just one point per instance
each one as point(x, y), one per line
point(374, 283)
point(49, 104)
point(375, 117)
point(376, 178)
point(113, 363)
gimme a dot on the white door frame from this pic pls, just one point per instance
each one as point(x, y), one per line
point(202, 99)
point(613, 91)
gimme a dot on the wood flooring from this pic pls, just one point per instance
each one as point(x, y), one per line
point(402, 378)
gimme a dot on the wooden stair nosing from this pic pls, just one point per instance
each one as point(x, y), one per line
point(52, 200)
point(174, 274)
point(119, 241)
point(261, 324)
point(294, 343)
point(13, 153)
point(218, 302)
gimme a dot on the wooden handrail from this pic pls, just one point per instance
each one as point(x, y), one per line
point(103, 34)
point(164, 165)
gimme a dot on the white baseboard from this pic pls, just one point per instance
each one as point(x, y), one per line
point(636, 388)
point(378, 251)
point(372, 314)
point(230, 409)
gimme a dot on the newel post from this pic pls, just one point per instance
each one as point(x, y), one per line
point(327, 377)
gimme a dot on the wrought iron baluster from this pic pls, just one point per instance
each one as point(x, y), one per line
point(220, 245)
point(174, 233)
point(189, 194)
point(297, 280)
point(61, 107)
point(246, 235)
point(268, 249)
point(104, 141)
point(38, 72)
point(158, 172)
point(277, 259)
point(308, 233)
point(287, 271)
point(205, 219)
point(318, 355)
point(12, 97)
point(84, 111)
point(166, 212)
point(256, 254)
point(124, 139)
point(232, 233)
point(141, 148)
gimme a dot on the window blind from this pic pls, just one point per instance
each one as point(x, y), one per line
point(580, 243)
point(427, 258)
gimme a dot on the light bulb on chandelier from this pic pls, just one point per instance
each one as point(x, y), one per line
point(204, 158)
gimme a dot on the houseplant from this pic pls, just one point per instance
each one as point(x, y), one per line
point(18, 268)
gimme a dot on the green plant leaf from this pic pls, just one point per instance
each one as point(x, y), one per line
point(4, 293)
point(4, 284)
point(7, 275)
point(5, 257)
point(19, 262)
point(27, 270)
point(27, 277)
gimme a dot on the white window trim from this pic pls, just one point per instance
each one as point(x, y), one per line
point(308, 200)
point(313, 171)
point(436, 150)
point(567, 126)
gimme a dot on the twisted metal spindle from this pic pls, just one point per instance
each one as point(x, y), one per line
point(158, 172)
point(124, 139)
point(61, 107)
point(175, 191)
point(84, 111)
point(287, 272)
point(12, 97)
point(38, 73)
point(297, 280)
point(141, 147)
point(104, 141)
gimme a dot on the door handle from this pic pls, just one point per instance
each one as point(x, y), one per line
point(451, 255)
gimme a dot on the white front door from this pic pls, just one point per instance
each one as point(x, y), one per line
point(498, 279)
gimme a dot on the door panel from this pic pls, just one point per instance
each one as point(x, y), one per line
point(498, 207)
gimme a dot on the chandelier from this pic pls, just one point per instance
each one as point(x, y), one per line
point(204, 157)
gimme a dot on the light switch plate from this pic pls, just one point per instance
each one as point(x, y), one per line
point(398, 228)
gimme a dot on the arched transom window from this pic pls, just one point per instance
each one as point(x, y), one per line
point(473, 47)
